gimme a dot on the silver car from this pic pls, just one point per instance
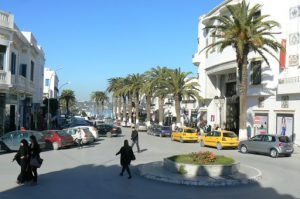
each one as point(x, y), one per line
point(11, 140)
point(274, 145)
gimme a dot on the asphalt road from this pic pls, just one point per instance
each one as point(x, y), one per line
point(92, 172)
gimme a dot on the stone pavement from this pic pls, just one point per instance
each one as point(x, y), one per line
point(155, 171)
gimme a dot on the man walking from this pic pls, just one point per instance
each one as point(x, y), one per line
point(135, 138)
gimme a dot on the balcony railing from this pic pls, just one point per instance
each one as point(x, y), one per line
point(289, 80)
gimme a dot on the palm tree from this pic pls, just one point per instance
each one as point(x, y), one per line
point(128, 91)
point(67, 96)
point(99, 97)
point(137, 82)
point(245, 32)
point(157, 77)
point(148, 90)
point(114, 85)
point(181, 86)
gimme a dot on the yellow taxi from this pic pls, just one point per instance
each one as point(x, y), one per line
point(185, 135)
point(220, 139)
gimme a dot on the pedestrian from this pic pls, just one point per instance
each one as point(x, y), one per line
point(135, 138)
point(22, 157)
point(34, 153)
point(79, 137)
point(208, 129)
point(127, 156)
point(248, 132)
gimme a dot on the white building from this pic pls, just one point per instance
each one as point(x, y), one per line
point(21, 66)
point(50, 83)
point(273, 91)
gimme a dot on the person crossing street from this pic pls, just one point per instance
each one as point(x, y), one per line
point(135, 138)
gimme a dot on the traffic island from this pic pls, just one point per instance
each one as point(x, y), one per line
point(200, 171)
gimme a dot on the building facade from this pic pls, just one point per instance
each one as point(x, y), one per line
point(273, 90)
point(21, 70)
point(50, 83)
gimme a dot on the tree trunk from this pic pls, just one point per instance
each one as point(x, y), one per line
point(148, 109)
point(137, 105)
point(124, 116)
point(130, 108)
point(177, 109)
point(67, 105)
point(115, 108)
point(243, 98)
point(161, 110)
point(119, 108)
point(102, 107)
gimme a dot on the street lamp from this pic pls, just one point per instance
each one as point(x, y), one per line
point(63, 85)
point(48, 111)
point(219, 101)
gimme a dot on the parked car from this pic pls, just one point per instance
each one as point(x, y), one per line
point(220, 139)
point(162, 131)
point(141, 127)
point(87, 135)
point(274, 145)
point(92, 129)
point(109, 130)
point(57, 139)
point(82, 123)
point(12, 139)
point(125, 124)
point(185, 134)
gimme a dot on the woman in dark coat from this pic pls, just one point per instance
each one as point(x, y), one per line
point(22, 157)
point(126, 157)
point(34, 152)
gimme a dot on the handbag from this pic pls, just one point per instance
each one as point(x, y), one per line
point(36, 162)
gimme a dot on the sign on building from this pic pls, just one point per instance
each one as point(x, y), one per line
point(294, 60)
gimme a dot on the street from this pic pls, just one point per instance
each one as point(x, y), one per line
point(93, 172)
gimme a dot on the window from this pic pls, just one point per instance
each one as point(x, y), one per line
point(257, 138)
point(269, 138)
point(216, 134)
point(32, 71)
point(255, 73)
point(261, 102)
point(2, 56)
point(47, 82)
point(13, 63)
point(23, 70)
point(284, 101)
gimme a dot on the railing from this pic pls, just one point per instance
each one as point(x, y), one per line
point(289, 80)
point(2, 76)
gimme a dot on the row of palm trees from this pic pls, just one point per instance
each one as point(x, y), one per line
point(99, 97)
point(159, 82)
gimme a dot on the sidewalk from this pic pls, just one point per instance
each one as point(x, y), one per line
point(155, 171)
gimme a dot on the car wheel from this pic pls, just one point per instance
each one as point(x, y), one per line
point(244, 149)
point(219, 146)
point(181, 140)
point(202, 143)
point(55, 146)
point(273, 153)
point(108, 134)
point(160, 135)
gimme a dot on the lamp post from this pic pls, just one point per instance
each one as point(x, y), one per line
point(48, 111)
point(219, 101)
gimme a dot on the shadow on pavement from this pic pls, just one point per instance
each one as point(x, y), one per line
point(99, 181)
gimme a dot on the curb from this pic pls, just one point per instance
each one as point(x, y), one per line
point(212, 182)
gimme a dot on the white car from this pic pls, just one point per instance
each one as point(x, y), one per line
point(125, 124)
point(92, 129)
point(87, 136)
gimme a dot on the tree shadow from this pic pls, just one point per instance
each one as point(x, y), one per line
point(100, 181)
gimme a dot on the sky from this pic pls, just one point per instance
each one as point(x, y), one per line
point(94, 40)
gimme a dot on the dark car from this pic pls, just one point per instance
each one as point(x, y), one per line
point(11, 140)
point(108, 130)
point(56, 139)
point(274, 145)
point(162, 131)
point(152, 129)
point(78, 122)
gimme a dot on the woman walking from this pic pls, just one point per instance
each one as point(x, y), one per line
point(22, 157)
point(126, 157)
point(34, 152)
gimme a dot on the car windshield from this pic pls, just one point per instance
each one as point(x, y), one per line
point(284, 139)
point(62, 133)
point(165, 128)
point(189, 131)
point(86, 130)
point(229, 135)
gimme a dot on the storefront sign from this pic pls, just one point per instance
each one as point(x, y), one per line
point(285, 125)
point(294, 60)
point(294, 38)
point(294, 12)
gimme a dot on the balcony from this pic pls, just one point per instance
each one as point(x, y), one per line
point(290, 85)
point(196, 59)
